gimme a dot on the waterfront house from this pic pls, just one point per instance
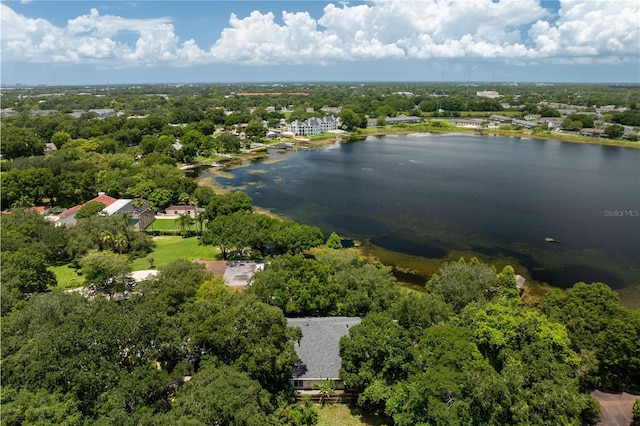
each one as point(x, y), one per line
point(319, 350)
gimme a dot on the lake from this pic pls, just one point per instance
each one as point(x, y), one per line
point(436, 196)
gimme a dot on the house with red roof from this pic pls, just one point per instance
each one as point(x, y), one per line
point(68, 217)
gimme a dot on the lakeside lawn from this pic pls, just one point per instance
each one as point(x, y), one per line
point(168, 249)
point(171, 248)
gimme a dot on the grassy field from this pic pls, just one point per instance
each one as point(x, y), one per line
point(166, 225)
point(345, 415)
point(170, 248)
point(67, 276)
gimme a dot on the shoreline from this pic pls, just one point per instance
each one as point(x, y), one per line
point(410, 271)
point(523, 134)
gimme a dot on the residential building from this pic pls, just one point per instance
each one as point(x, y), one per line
point(403, 119)
point(43, 111)
point(331, 110)
point(103, 112)
point(491, 94)
point(177, 210)
point(8, 112)
point(523, 123)
point(469, 123)
point(501, 118)
point(314, 126)
point(236, 274)
point(319, 350)
point(68, 217)
point(49, 148)
point(123, 205)
point(552, 122)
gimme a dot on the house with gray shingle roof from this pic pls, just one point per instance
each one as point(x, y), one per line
point(319, 350)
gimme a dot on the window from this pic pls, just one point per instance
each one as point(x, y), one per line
point(297, 384)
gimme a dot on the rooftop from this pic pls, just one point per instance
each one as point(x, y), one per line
point(116, 206)
point(319, 349)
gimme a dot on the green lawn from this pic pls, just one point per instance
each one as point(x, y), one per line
point(170, 248)
point(345, 415)
point(165, 225)
point(67, 276)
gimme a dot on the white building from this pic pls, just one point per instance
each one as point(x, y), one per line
point(492, 94)
point(314, 126)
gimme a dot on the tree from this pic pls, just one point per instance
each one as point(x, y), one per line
point(229, 232)
point(298, 286)
point(106, 240)
point(226, 204)
point(26, 270)
point(106, 272)
point(334, 242)
point(598, 325)
point(120, 243)
point(20, 142)
point(255, 131)
point(296, 414)
point(327, 390)
point(572, 125)
point(292, 237)
point(92, 208)
point(351, 120)
point(614, 131)
point(220, 395)
point(461, 283)
point(376, 349)
point(184, 221)
point(59, 138)
point(449, 370)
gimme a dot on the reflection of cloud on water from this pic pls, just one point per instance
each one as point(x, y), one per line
point(279, 179)
point(335, 145)
point(272, 159)
point(414, 161)
point(367, 169)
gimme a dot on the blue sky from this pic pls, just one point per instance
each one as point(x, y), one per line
point(86, 42)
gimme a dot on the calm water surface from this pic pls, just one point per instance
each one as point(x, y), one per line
point(426, 195)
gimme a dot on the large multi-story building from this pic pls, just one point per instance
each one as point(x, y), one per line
point(313, 126)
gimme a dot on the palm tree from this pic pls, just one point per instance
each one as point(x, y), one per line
point(120, 243)
point(185, 221)
point(200, 219)
point(106, 239)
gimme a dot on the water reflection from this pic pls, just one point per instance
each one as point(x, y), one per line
point(499, 198)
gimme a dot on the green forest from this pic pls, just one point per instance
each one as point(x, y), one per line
point(183, 348)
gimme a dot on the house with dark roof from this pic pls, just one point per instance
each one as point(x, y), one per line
point(319, 350)
point(402, 118)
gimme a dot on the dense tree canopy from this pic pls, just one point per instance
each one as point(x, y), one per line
point(600, 328)
point(95, 360)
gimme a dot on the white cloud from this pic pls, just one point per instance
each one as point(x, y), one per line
point(517, 31)
point(91, 38)
point(598, 29)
